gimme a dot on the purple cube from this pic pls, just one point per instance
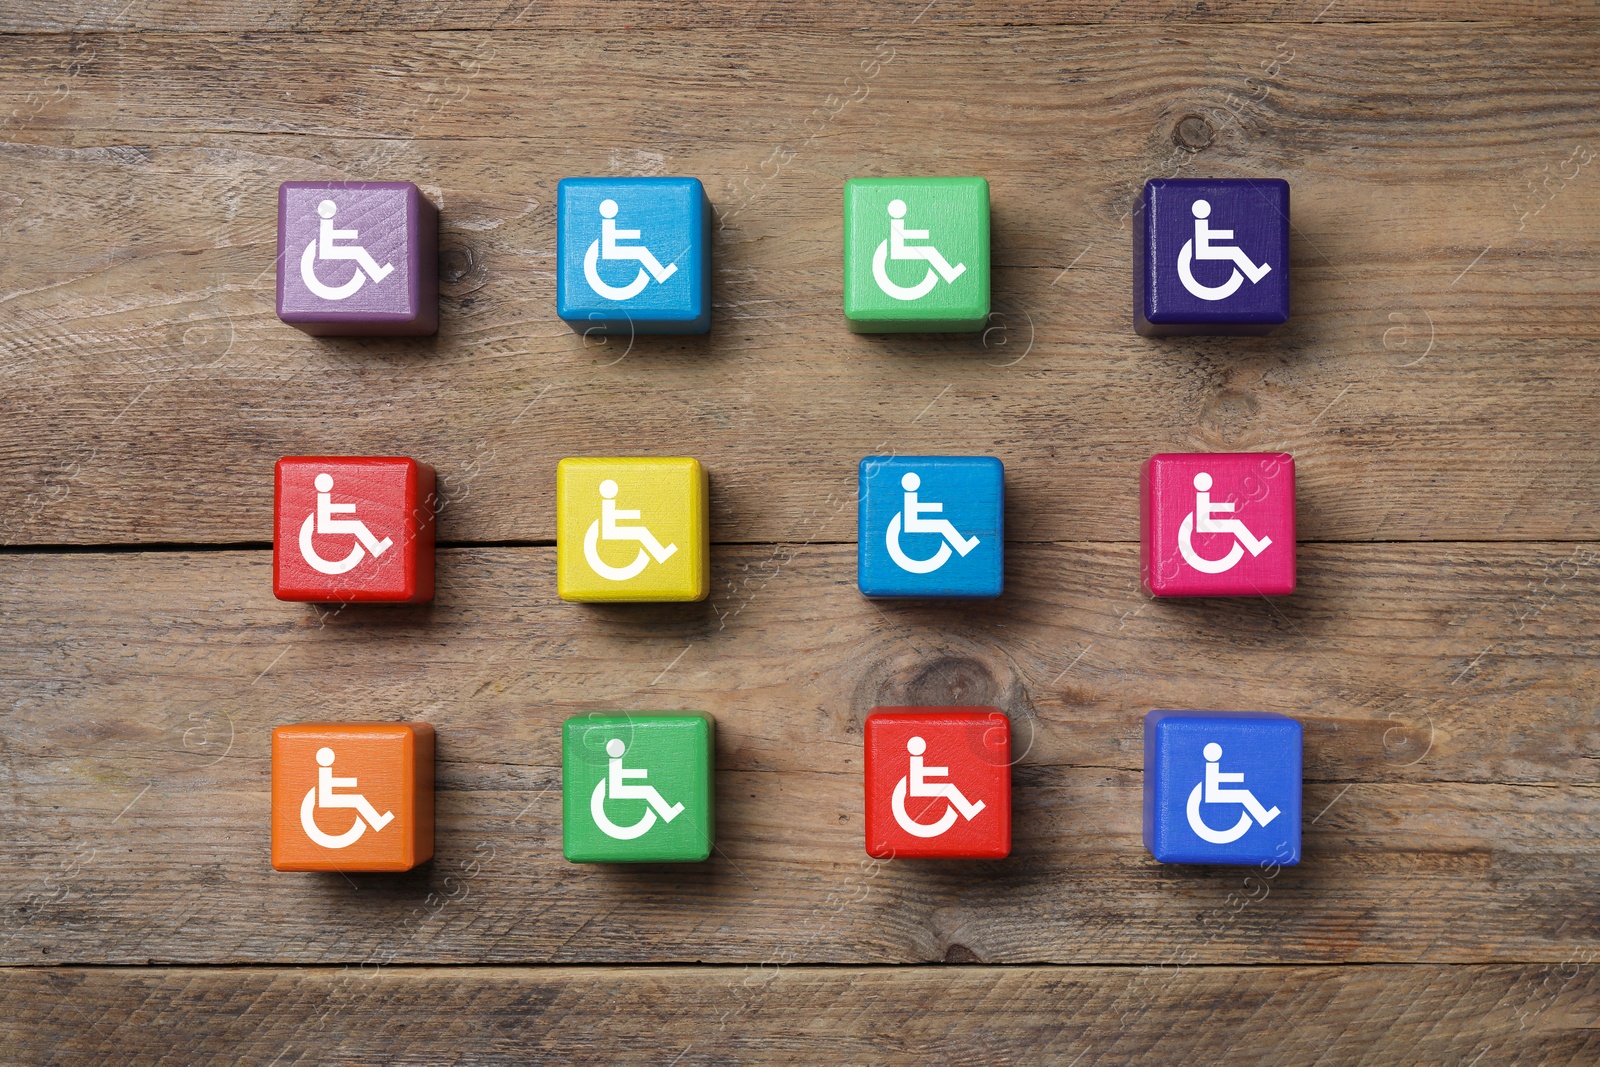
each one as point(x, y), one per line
point(358, 259)
point(1211, 256)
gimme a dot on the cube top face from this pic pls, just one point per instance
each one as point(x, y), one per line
point(1222, 787)
point(637, 787)
point(353, 529)
point(931, 526)
point(938, 783)
point(632, 529)
point(1217, 524)
point(916, 254)
point(352, 796)
point(357, 258)
point(633, 255)
point(1211, 256)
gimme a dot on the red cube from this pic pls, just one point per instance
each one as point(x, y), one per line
point(938, 783)
point(353, 528)
point(1217, 524)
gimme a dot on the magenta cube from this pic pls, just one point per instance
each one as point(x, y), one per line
point(1217, 524)
point(358, 259)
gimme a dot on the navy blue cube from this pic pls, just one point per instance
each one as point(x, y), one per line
point(1211, 256)
point(1222, 787)
point(931, 526)
point(633, 255)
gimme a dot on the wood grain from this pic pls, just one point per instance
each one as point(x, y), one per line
point(1444, 272)
point(1376, 1016)
point(1451, 800)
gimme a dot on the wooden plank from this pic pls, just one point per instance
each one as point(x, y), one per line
point(1447, 690)
point(302, 16)
point(1084, 1016)
point(1425, 385)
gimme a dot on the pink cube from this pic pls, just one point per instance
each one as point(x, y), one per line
point(1217, 524)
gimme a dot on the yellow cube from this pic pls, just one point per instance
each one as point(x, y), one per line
point(635, 529)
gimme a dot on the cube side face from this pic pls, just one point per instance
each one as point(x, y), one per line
point(1235, 285)
point(367, 267)
point(663, 555)
point(1197, 812)
point(1243, 544)
point(605, 285)
point(965, 748)
point(897, 556)
point(367, 538)
point(392, 765)
point(668, 754)
point(937, 283)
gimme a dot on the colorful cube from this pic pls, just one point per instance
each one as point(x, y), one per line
point(633, 255)
point(1217, 524)
point(635, 529)
point(354, 796)
point(1222, 787)
point(938, 783)
point(931, 526)
point(636, 787)
point(916, 254)
point(358, 259)
point(1211, 256)
point(350, 529)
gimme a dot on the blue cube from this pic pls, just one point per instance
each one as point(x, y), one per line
point(931, 526)
point(633, 255)
point(1211, 256)
point(1222, 787)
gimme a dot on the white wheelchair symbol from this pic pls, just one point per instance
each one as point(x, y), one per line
point(605, 528)
point(322, 795)
point(605, 247)
point(324, 523)
point(1200, 247)
point(910, 520)
point(1200, 521)
point(323, 247)
point(894, 247)
point(617, 778)
point(1215, 794)
point(915, 783)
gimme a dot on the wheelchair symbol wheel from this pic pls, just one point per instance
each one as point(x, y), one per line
point(597, 808)
point(591, 552)
point(324, 566)
point(1204, 292)
point(917, 829)
point(1199, 562)
point(591, 272)
point(905, 562)
point(880, 273)
point(1216, 837)
point(308, 823)
point(308, 275)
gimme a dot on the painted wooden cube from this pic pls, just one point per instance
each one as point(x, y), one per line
point(938, 783)
point(1211, 256)
point(353, 529)
point(931, 526)
point(1217, 524)
point(353, 796)
point(637, 787)
point(916, 254)
point(632, 529)
point(358, 259)
point(1222, 787)
point(633, 255)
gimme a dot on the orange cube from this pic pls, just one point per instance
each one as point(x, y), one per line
point(380, 776)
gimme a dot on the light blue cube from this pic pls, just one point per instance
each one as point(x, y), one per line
point(633, 255)
point(1222, 787)
point(931, 526)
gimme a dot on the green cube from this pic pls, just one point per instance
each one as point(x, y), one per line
point(636, 787)
point(916, 254)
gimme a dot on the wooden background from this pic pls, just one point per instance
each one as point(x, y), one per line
point(1437, 386)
